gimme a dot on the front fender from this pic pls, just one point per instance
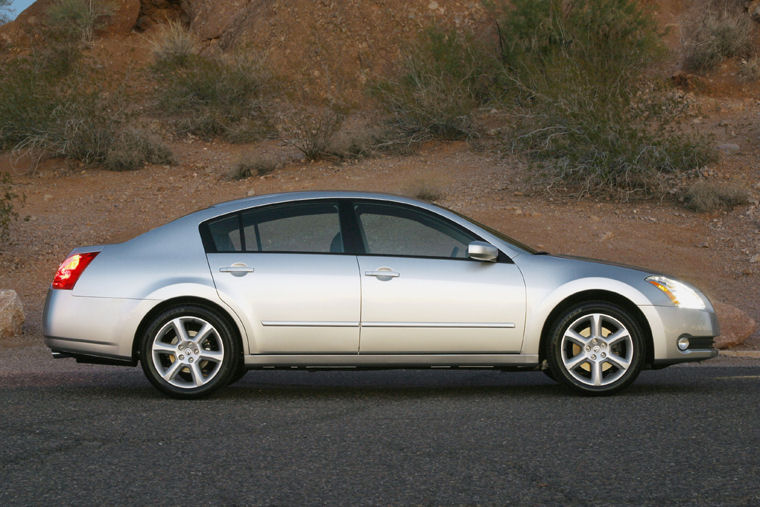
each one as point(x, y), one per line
point(541, 303)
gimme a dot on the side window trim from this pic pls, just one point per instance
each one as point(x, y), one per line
point(344, 224)
point(358, 233)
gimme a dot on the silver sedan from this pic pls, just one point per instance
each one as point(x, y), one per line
point(358, 280)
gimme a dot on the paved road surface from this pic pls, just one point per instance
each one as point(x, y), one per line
point(88, 434)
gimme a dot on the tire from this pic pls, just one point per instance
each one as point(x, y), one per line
point(239, 373)
point(549, 373)
point(596, 348)
point(181, 363)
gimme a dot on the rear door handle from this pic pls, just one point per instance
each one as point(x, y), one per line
point(382, 273)
point(237, 269)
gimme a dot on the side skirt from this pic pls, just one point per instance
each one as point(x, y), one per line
point(380, 361)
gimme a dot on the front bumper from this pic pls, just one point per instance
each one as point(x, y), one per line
point(669, 323)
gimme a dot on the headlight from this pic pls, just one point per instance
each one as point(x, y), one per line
point(679, 293)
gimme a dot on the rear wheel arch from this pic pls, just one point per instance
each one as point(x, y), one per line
point(603, 296)
point(183, 301)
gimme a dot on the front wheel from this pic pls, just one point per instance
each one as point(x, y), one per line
point(189, 351)
point(596, 348)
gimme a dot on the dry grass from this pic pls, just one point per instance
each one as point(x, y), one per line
point(718, 29)
point(173, 45)
point(750, 69)
point(705, 196)
point(255, 164)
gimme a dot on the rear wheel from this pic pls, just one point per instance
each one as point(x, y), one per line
point(596, 348)
point(189, 351)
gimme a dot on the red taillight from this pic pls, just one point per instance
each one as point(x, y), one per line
point(71, 269)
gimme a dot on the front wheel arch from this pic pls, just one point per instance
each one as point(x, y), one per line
point(597, 295)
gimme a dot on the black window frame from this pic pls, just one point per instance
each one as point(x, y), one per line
point(210, 246)
point(350, 228)
point(357, 230)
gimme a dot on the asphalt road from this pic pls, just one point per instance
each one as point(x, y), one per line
point(84, 434)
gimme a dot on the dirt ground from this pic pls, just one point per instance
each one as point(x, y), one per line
point(69, 205)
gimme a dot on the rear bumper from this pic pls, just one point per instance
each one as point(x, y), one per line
point(92, 327)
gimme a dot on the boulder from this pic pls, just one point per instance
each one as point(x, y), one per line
point(735, 325)
point(123, 16)
point(11, 313)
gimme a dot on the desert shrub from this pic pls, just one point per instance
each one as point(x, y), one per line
point(132, 148)
point(255, 164)
point(718, 30)
point(569, 75)
point(49, 110)
point(8, 199)
point(173, 46)
point(311, 130)
point(705, 196)
point(77, 19)
point(214, 96)
point(424, 191)
point(580, 106)
point(443, 77)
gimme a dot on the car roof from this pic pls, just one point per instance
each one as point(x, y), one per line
point(248, 202)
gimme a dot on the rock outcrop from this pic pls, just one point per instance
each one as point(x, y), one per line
point(27, 28)
point(735, 325)
point(11, 314)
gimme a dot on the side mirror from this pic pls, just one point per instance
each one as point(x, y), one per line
point(482, 251)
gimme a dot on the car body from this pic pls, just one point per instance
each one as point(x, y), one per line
point(362, 280)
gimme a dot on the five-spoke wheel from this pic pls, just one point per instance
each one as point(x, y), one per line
point(596, 348)
point(189, 351)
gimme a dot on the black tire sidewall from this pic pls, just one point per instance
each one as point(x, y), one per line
point(553, 351)
point(226, 334)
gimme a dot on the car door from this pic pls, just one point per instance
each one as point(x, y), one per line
point(422, 294)
point(284, 269)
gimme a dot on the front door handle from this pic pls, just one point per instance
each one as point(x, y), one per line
point(382, 273)
point(237, 269)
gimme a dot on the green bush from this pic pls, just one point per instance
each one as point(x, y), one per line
point(718, 31)
point(580, 105)
point(443, 77)
point(54, 109)
point(570, 76)
point(214, 96)
point(74, 20)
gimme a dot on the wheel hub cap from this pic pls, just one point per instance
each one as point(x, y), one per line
point(596, 349)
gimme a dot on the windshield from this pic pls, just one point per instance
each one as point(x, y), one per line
point(496, 233)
